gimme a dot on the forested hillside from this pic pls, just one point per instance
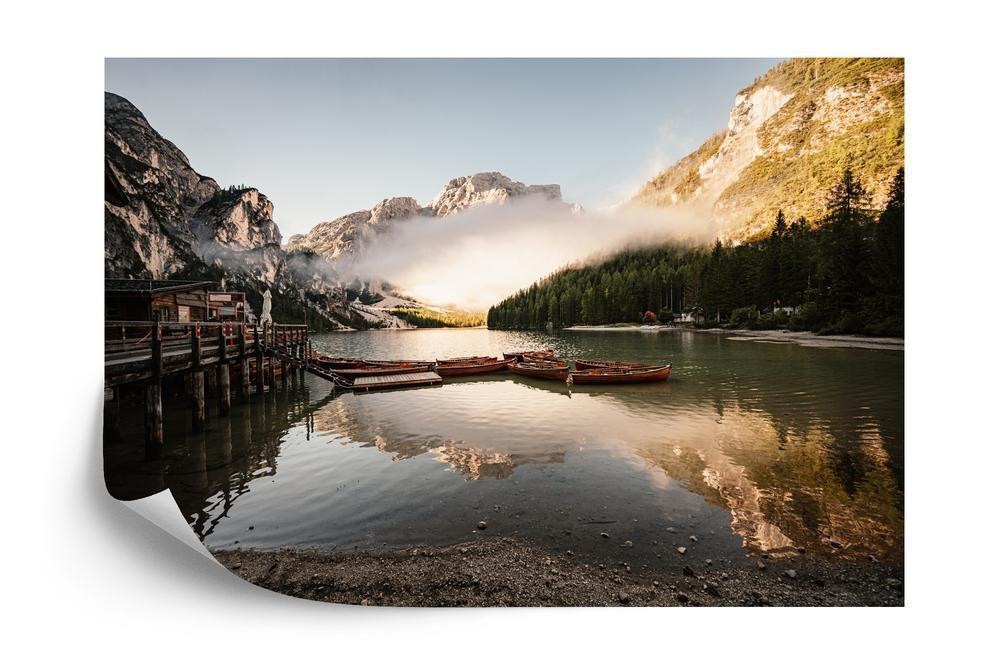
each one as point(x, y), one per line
point(842, 273)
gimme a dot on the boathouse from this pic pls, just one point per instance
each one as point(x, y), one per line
point(227, 307)
point(156, 300)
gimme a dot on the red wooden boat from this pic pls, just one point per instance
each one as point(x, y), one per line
point(530, 354)
point(621, 375)
point(538, 368)
point(368, 370)
point(463, 361)
point(587, 364)
point(336, 362)
point(397, 362)
point(488, 365)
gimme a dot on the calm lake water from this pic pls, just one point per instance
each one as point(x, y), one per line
point(749, 447)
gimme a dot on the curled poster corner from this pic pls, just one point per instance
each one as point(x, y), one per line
point(161, 510)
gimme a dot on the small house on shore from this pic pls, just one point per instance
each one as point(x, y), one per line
point(156, 300)
point(694, 316)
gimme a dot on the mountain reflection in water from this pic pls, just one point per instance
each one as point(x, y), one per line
point(751, 447)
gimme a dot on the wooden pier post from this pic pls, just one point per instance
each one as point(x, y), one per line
point(198, 402)
point(244, 366)
point(223, 373)
point(154, 420)
point(245, 380)
point(224, 398)
point(154, 399)
point(197, 382)
point(196, 345)
point(259, 344)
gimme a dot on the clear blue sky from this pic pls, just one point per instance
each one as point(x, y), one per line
point(323, 138)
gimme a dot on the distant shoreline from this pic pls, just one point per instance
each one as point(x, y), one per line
point(806, 338)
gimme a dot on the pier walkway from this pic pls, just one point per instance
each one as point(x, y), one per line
point(219, 353)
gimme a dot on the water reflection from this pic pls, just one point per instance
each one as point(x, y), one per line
point(755, 447)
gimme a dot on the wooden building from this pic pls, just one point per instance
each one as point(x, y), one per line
point(156, 300)
point(227, 306)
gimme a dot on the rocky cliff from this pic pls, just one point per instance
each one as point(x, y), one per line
point(163, 220)
point(790, 135)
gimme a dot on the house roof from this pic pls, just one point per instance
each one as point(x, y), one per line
point(148, 287)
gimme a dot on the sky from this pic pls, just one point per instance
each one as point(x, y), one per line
point(322, 138)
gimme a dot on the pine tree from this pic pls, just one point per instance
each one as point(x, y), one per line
point(843, 260)
point(888, 269)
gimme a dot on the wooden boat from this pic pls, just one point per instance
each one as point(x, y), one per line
point(336, 362)
point(397, 362)
point(368, 370)
point(539, 368)
point(587, 364)
point(621, 375)
point(532, 354)
point(473, 367)
point(462, 361)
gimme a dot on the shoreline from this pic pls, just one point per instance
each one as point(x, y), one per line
point(502, 572)
point(805, 338)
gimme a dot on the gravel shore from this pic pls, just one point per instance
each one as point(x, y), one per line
point(505, 572)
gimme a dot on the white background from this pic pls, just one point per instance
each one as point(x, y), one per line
point(85, 579)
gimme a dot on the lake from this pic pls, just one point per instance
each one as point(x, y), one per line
point(749, 447)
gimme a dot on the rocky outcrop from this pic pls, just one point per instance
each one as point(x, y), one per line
point(789, 138)
point(163, 220)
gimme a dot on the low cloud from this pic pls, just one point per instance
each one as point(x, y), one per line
point(477, 257)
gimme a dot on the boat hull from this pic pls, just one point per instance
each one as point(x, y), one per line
point(455, 370)
point(621, 375)
point(557, 373)
point(336, 362)
point(586, 364)
point(530, 354)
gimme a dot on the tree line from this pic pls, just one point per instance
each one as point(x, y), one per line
point(840, 274)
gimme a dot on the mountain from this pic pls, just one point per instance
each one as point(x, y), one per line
point(790, 136)
point(164, 220)
point(348, 234)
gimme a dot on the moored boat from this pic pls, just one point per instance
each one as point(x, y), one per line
point(397, 362)
point(462, 361)
point(620, 375)
point(324, 361)
point(587, 364)
point(474, 367)
point(539, 368)
point(530, 354)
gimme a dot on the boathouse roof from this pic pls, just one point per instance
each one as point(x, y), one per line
point(145, 287)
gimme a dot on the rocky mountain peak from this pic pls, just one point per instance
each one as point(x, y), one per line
point(488, 187)
point(348, 234)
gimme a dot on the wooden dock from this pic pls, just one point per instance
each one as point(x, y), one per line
point(215, 356)
point(374, 382)
point(145, 353)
